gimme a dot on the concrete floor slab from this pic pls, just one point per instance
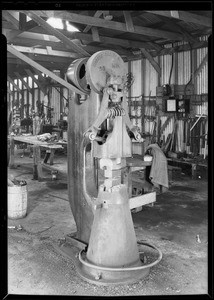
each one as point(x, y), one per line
point(35, 267)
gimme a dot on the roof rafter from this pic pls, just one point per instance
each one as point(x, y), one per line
point(188, 36)
point(151, 60)
point(33, 50)
point(184, 16)
point(97, 14)
point(40, 85)
point(95, 34)
point(12, 34)
point(13, 83)
point(129, 22)
point(113, 25)
point(33, 15)
point(23, 57)
point(171, 50)
point(24, 24)
point(6, 14)
point(23, 81)
point(87, 37)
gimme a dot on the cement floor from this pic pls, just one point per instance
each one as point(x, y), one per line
point(35, 266)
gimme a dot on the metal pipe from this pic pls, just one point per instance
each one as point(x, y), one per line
point(88, 198)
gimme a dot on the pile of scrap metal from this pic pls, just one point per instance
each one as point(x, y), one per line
point(47, 137)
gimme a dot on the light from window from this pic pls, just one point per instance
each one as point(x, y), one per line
point(55, 22)
point(71, 27)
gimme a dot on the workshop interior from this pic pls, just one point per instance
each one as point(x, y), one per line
point(107, 151)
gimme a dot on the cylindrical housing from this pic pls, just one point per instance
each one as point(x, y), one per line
point(76, 74)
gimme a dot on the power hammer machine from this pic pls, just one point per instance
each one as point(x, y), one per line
point(100, 135)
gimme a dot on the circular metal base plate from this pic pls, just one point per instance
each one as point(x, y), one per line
point(109, 276)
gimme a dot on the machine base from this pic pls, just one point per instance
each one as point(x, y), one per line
point(109, 276)
point(103, 275)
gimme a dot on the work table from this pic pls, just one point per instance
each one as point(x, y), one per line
point(37, 145)
point(137, 161)
point(32, 139)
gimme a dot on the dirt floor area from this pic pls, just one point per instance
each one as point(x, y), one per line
point(171, 224)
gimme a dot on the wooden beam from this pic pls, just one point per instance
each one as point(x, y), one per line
point(49, 48)
point(33, 50)
point(88, 37)
point(128, 20)
point(184, 16)
point(50, 62)
point(204, 61)
point(43, 70)
point(68, 43)
point(171, 50)
point(114, 41)
point(96, 15)
point(142, 200)
point(95, 34)
point(40, 76)
point(54, 53)
point(113, 25)
point(13, 83)
point(24, 24)
point(35, 80)
point(175, 26)
point(22, 21)
point(23, 81)
point(37, 43)
point(152, 61)
point(7, 25)
point(12, 34)
point(10, 18)
point(153, 46)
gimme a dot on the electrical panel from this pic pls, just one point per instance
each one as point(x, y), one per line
point(177, 105)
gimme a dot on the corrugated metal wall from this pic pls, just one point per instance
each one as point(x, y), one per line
point(181, 75)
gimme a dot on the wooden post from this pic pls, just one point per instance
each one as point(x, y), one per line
point(12, 146)
point(27, 100)
point(61, 95)
point(37, 166)
point(52, 156)
point(194, 171)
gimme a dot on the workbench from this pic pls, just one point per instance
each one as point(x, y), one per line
point(193, 163)
point(37, 145)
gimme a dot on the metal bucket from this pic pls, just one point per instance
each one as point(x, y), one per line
point(17, 201)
